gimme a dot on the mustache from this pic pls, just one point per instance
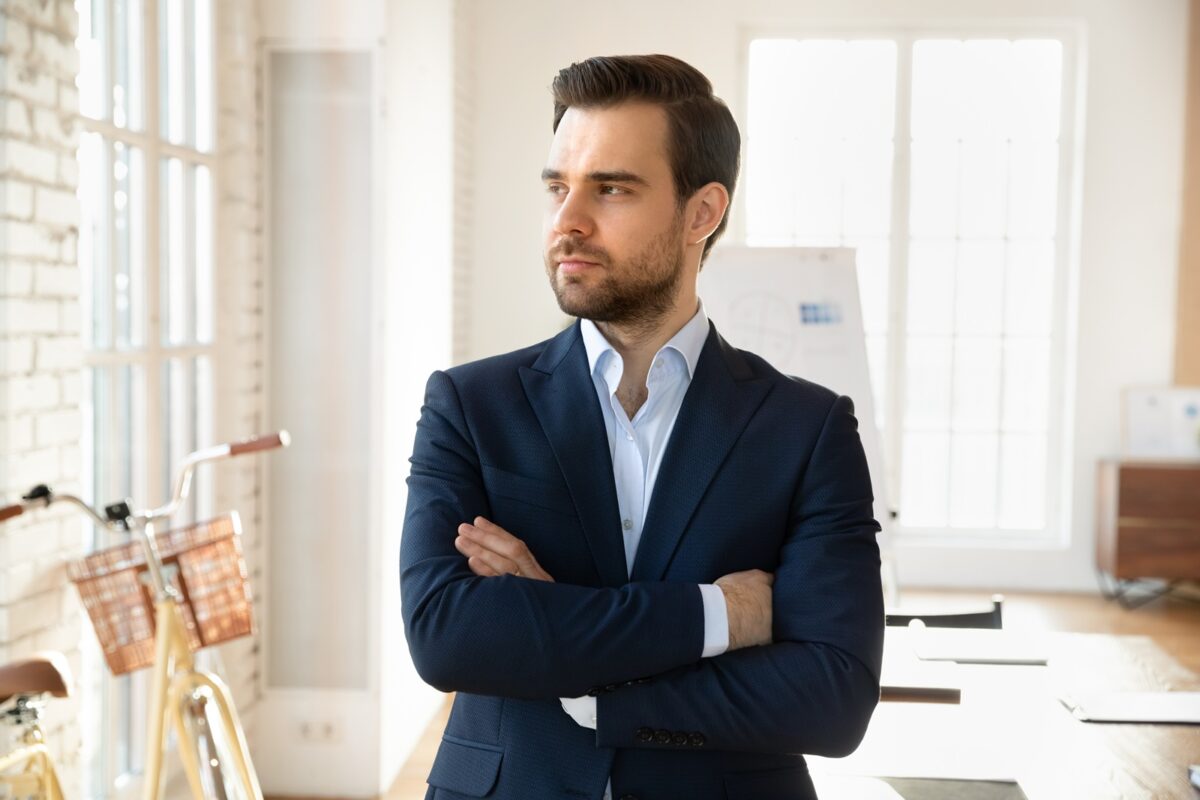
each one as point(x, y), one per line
point(564, 249)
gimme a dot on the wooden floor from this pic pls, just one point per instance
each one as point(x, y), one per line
point(1173, 623)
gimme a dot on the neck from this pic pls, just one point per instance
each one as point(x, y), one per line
point(637, 342)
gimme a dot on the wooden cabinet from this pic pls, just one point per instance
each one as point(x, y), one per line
point(1148, 519)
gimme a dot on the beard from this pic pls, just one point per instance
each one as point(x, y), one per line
point(637, 291)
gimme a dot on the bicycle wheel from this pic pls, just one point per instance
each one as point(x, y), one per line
point(209, 744)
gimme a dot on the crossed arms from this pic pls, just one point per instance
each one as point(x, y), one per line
point(478, 628)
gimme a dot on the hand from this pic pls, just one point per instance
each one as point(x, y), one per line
point(493, 551)
point(748, 601)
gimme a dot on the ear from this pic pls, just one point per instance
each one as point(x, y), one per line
point(705, 210)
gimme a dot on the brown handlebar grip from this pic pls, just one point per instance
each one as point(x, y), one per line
point(255, 443)
point(8, 512)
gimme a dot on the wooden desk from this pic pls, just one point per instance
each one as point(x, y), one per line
point(1010, 725)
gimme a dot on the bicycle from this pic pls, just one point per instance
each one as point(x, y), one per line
point(198, 595)
point(28, 771)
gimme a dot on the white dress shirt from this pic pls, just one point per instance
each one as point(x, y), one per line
point(637, 448)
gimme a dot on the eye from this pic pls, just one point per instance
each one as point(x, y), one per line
point(555, 188)
point(609, 189)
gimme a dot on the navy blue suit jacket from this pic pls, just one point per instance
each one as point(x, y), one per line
point(762, 471)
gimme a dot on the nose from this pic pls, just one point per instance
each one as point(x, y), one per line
point(571, 215)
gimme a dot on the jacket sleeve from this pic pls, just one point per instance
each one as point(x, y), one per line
point(813, 689)
point(510, 636)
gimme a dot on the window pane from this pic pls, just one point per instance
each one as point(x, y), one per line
point(187, 418)
point(1026, 384)
point(977, 367)
point(924, 478)
point(937, 90)
point(931, 287)
point(92, 44)
point(204, 255)
point(177, 70)
point(985, 72)
point(927, 383)
point(981, 197)
point(973, 480)
point(1036, 93)
point(1022, 481)
point(934, 210)
point(204, 110)
point(979, 288)
point(1029, 288)
point(129, 233)
point(818, 180)
point(127, 70)
point(95, 244)
point(1033, 188)
point(867, 199)
point(187, 231)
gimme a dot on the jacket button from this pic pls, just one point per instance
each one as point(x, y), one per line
point(629, 797)
point(696, 740)
point(594, 691)
point(612, 687)
point(644, 734)
point(662, 736)
point(679, 738)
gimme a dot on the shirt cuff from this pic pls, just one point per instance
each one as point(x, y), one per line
point(716, 620)
point(581, 709)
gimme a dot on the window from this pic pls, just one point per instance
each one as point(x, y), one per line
point(146, 253)
point(938, 159)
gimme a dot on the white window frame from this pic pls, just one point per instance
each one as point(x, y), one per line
point(151, 356)
point(1055, 532)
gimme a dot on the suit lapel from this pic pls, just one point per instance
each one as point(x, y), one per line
point(560, 390)
point(722, 397)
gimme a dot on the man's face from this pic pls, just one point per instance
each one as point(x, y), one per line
point(613, 231)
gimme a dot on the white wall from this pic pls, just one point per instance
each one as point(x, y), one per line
point(1133, 55)
point(41, 353)
point(412, 46)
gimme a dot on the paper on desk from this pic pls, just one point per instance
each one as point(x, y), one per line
point(1168, 708)
point(974, 646)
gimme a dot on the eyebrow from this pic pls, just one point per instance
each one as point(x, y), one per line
point(608, 176)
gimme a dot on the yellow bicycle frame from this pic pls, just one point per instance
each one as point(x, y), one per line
point(38, 777)
point(176, 677)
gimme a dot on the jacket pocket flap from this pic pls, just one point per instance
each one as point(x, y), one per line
point(791, 783)
point(468, 768)
point(552, 497)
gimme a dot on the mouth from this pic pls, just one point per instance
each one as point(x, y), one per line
point(574, 266)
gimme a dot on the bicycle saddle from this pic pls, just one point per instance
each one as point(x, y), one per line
point(42, 672)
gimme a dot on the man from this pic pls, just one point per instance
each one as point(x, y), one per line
point(644, 560)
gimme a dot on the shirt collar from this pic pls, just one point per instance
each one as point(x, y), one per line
point(688, 341)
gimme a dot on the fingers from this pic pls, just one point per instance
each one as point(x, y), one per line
point(489, 563)
point(498, 549)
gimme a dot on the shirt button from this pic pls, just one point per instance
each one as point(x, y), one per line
point(629, 436)
point(628, 523)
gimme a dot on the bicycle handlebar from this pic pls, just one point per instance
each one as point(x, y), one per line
point(256, 443)
point(182, 483)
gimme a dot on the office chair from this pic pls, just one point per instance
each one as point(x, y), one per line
point(974, 619)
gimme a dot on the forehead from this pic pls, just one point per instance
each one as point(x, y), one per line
point(628, 136)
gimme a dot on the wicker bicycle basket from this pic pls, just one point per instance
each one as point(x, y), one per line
point(205, 565)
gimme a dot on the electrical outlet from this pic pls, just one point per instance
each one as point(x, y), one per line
point(315, 730)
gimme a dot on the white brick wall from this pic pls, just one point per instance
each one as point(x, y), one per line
point(40, 346)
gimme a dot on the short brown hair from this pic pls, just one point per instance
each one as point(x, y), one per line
point(703, 143)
